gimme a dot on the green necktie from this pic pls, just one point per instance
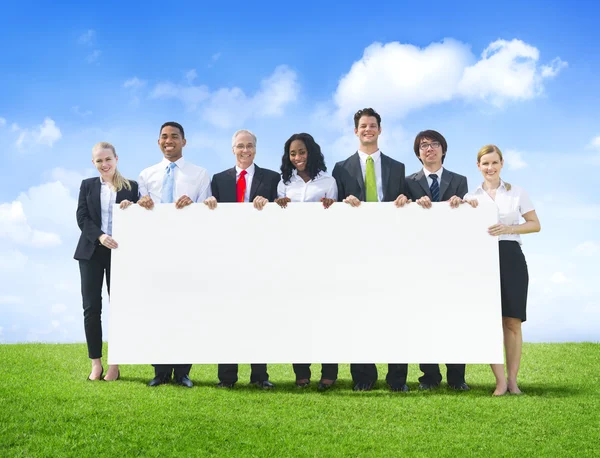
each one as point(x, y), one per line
point(371, 181)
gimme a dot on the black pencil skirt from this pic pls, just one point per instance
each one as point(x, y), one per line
point(514, 280)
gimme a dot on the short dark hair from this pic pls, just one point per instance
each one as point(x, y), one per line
point(315, 161)
point(173, 124)
point(366, 112)
point(433, 135)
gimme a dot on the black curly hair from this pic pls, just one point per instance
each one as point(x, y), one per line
point(315, 161)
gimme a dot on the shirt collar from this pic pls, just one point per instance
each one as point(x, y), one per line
point(363, 156)
point(249, 170)
point(438, 172)
point(502, 186)
point(179, 162)
point(295, 176)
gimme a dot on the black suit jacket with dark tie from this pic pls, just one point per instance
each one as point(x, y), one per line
point(89, 214)
point(264, 183)
point(451, 184)
point(349, 177)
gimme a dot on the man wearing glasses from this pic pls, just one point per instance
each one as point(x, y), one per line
point(434, 183)
point(246, 182)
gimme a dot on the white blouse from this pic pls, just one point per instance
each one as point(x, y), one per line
point(108, 198)
point(511, 205)
point(323, 185)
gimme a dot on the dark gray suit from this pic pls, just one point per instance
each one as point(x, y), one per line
point(451, 184)
point(349, 177)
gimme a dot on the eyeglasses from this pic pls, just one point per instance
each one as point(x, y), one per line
point(425, 146)
point(242, 146)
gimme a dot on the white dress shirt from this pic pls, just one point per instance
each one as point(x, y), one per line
point(511, 205)
point(249, 176)
point(377, 163)
point(323, 185)
point(108, 197)
point(430, 180)
point(189, 180)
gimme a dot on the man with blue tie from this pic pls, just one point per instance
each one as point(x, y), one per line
point(434, 183)
point(173, 180)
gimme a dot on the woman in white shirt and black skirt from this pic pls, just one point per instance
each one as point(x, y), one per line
point(513, 204)
point(304, 179)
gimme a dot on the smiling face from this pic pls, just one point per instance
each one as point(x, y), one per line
point(430, 153)
point(171, 143)
point(105, 160)
point(298, 155)
point(490, 165)
point(368, 131)
point(244, 149)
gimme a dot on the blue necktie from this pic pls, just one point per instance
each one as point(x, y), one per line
point(435, 188)
point(166, 196)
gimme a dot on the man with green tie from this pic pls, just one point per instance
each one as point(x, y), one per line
point(371, 176)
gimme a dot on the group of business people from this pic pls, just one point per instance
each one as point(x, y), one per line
point(366, 176)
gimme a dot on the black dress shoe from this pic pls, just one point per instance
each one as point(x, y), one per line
point(225, 385)
point(460, 387)
point(302, 383)
point(160, 379)
point(424, 386)
point(184, 381)
point(324, 386)
point(264, 384)
point(399, 388)
point(364, 386)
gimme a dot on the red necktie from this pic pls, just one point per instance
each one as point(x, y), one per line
point(241, 186)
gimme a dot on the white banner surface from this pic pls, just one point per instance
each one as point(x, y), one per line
point(305, 284)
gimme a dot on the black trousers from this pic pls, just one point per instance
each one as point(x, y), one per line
point(167, 369)
point(92, 276)
point(367, 373)
point(228, 373)
point(455, 374)
point(328, 371)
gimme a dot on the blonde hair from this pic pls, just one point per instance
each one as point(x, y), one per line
point(119, 181)
point(487, 149)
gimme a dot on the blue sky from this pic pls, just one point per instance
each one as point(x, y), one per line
point(521, 76)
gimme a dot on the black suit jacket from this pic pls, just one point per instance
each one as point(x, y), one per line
point(89, 214)
point(350, 181)
point(264, 183)
point(451, 184)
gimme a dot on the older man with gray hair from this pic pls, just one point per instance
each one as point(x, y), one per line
point(246, 182)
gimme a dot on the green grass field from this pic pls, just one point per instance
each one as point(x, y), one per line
point(47, 408)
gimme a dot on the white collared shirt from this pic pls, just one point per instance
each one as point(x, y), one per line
point(377, 163)
point(249, 176)
point(108, 197)
point(323, 185)
point(511, 205)
point(189, 180)
point(430, 180)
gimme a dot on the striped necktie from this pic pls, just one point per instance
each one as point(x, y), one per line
point(435, 188)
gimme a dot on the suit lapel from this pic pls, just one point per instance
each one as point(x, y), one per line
point(386, 165)
point(230, 186)
point(445, 180)
point(95, 198)
point(256, 180)
point(422, 180)
point(356, 171)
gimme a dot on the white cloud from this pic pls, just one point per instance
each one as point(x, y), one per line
point(514, 160)
point(93, 57)
point(588, 248)
point(58, 308)
point(595, 143)
point(87, 38)
point(45, 134)
point(79, 112)
point(70, 179)
point(14, 226)
point(398, 78)
point(2, 122)
point(559, 278)
point(191, 75)
point(134, 83)
point(12, 260)
point(226, 107)
point(10, 300)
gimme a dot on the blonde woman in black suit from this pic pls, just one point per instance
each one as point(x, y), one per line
point(94, 217)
